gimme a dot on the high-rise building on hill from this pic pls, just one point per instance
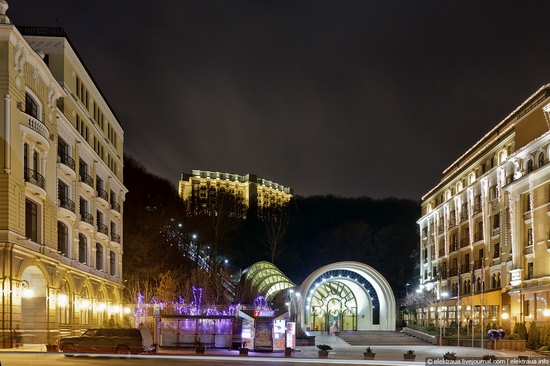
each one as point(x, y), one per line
point(61, 189)
point(485, 228)
point(201, 190)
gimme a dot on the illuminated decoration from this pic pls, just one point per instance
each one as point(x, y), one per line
point(261, 303)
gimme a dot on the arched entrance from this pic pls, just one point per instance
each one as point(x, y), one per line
point(349, 295)
point(34, 314)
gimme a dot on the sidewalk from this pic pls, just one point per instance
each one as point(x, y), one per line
point(340, 350)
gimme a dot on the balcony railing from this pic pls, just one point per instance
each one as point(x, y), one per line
point(453, 272)
point(477, 207)
point(102, 228)
point(478, 236)
point(453, 247)
point(101, 193)
point(37, 125)
point(115, 206)
point(87, 217)
point(442, 252)
point(464, 242)
point(465, 268)
point(115, 238)
point(86, 178)
point(67, 203)
point(32, 176)
point(463, 216)
point(477, 264)
point(67, 160)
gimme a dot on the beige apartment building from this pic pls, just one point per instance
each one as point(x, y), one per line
point(485, 228)
point(200, 189)
point(61, 190)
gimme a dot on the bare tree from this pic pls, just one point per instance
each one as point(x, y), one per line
point(275, 221)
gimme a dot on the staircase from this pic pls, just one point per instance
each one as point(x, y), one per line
point(379, 338)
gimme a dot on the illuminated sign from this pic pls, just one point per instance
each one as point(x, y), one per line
point(515, 277)
point(266, 313)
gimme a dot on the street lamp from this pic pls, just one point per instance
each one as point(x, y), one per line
point(443, 295)
point(407, 288)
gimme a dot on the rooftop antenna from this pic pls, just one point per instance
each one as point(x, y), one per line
point(57, 21)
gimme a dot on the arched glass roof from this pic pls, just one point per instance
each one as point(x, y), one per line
point(266, 279)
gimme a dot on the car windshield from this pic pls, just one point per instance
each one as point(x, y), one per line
point(89, 333)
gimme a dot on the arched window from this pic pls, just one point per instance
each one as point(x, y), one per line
point(62, 239)
point(529, 165)
point(541, 159)
point(82, 249)
point(98, 256)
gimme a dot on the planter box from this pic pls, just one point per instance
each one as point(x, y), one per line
point(507, 344)
point(323, 354)
point(409, 357)
point(369, 356)
point(243, 351)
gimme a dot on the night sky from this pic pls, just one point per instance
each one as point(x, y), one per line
point(352, 98)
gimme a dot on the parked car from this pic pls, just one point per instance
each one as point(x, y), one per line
point(122, 341)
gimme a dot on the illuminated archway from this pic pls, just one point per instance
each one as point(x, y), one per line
point(364, 299)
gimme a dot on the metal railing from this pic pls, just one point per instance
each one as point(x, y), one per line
point(115, 238)
point(86, 178)
point(115, 206)
point(32, 176)
point(102, 228)
point(66, 159)
point(101, 193)
point(67, 204)
point(87, 217)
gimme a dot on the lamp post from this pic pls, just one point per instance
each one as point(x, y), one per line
point(442, 321)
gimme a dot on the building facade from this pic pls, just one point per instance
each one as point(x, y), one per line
point(485, 228)
point(201, 188)
point(61, 190)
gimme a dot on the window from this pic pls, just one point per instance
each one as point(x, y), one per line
point(529, 165)
point(529, 237)
point(530, 270)
point(98, 256)
point(496, 221)
point(31, 220)
point(496, 250)
point(112, 263)
point(82, 249)
point(31, 107)
point(62, 239)
point(541, 159)
point(63, 194)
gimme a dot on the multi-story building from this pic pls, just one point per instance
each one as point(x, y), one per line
point(485, 228)
point(201, 188)
point(61, 189)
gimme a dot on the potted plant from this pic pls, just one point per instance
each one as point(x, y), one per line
point(323, 350)
point(243, 351)
point(409, 356)
point(449, 356)
point(199, 346)
point(369, 355)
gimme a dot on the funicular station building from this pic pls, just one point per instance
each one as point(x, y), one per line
point(339, 296)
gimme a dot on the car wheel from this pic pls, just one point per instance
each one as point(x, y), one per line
point(122, 351)
point(69, 351)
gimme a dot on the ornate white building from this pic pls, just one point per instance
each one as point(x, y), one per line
point(61, 189)
point(485, 228)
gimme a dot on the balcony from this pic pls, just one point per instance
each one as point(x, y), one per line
point(465, 268)
point(453, 247)
point(477, 264)
point(103, 229)
point(115, 207)
point(464, 242)
point(32, 176)
point(67, 165)
point(477, 208)
point(453, 272)
point(463, 216)
point(441, 252)
point(478, 236)
point(67, 208)
point(36, 131)
point(87, 217)
point(87, 182)
point(115, 238)
point(103, 197)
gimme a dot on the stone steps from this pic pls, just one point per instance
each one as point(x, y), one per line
point(379, 338)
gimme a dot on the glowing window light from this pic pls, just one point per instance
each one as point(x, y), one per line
point(62, 300)
point(28, 293)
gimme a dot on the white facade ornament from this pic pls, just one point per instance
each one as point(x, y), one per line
point(3, 7)
point(35, 76)
point(18, 81)
point(20, 57)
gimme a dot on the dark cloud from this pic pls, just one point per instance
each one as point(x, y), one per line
point(358, 98)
